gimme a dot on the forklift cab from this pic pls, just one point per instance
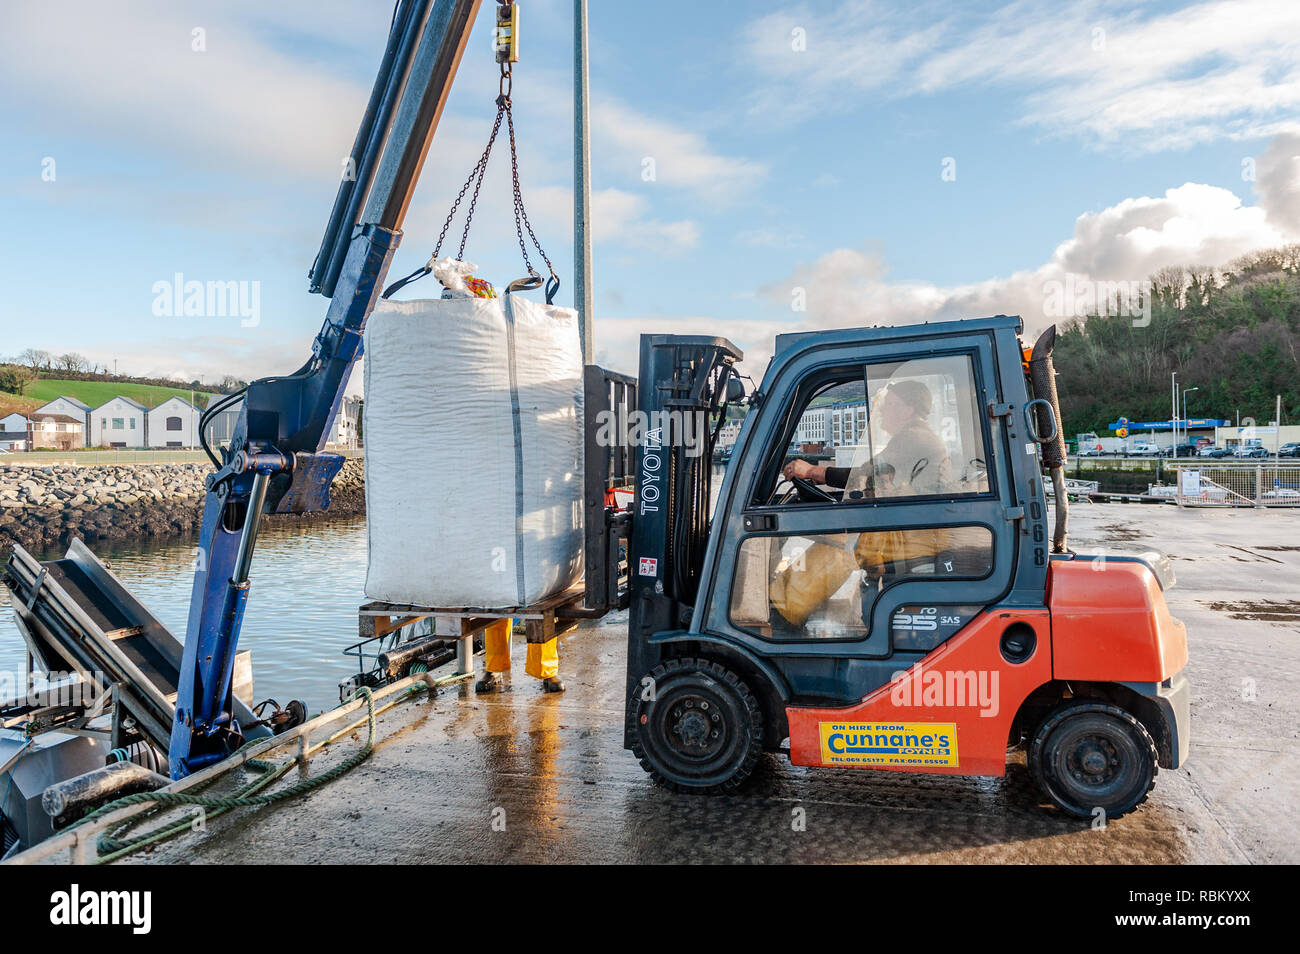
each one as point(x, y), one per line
point(897, 615)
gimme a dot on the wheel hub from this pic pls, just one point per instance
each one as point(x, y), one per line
point(693, 728)
point(696, 727)
point(1094, 761)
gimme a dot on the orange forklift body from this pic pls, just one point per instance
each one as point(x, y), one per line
point(952, 713)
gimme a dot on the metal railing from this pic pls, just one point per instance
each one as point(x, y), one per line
point(1256, 483)
point(78, 844)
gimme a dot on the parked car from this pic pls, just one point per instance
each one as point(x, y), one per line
point(1253, 450)
point(1289, 450)
point(1145, 449)
point(1186, 450)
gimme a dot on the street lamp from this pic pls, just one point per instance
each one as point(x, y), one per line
point(1186, 391)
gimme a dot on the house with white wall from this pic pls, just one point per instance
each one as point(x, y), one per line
point(59, 431)
point(13, 432)
point(173, 423)
point(344, 431)
point(120, 422)
point(70, 407)
point(221, 426)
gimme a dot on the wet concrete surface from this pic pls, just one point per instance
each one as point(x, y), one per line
point(529, 777)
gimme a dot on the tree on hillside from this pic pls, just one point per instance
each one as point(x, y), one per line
point(35, 359)
point(14, 378)
point(1231, 332)
point(71, 361)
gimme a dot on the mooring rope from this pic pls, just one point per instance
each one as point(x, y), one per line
point(112, 845)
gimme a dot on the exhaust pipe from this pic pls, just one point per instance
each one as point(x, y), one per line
point(1047, 416)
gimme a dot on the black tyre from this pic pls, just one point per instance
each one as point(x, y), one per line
point(696, 727)
point(1090, 755)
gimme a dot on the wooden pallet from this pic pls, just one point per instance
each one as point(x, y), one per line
point(543, 621)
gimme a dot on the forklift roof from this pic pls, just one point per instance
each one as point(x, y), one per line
point(705, 341)
point(927, 329)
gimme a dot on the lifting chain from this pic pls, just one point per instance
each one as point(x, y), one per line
point(506, 54)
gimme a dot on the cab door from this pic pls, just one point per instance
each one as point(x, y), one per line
point(912, 532)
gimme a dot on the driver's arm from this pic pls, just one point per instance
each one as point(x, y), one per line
point(837, 477)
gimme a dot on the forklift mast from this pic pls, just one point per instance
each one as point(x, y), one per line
point(685, 385)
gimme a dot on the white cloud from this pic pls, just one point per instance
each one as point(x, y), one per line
point(1190, 225)
point(618, 339)
point(242, 104)
point(1278, 183)
point(207, 357)
point(635, 146)
point(617, 217)
point(1138, 79)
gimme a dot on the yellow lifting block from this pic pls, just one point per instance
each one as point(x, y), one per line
point(507, 33)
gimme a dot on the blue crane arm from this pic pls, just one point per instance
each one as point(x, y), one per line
point(275, 461)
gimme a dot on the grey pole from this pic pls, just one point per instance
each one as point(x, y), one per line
point(581, 184)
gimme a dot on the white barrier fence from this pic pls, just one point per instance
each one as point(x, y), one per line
point(1262, 483)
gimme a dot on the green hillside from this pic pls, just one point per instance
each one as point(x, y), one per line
point(95, 393)
point(1232, 333)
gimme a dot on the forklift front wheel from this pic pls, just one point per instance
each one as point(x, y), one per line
point(1091, 756)
point(696, 726)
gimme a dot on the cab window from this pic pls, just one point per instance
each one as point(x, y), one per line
point(900, 429)
point(825, 585)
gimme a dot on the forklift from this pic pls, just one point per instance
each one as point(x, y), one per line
point(916, 619)
point(902, 610)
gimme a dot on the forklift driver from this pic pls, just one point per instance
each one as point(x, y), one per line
point(915, 455)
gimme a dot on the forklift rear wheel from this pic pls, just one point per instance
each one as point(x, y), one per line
point(1090, 755)
point(696, 726)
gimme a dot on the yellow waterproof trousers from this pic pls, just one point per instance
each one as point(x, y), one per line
point(543, 661)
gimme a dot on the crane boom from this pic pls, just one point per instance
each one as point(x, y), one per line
point(275, 461)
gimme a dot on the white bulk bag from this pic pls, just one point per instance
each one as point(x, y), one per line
point(473, 452)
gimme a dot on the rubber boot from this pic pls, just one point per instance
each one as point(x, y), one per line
point(491, 682)
point(496, 656)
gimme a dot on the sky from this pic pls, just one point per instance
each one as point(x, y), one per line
point(756, 169)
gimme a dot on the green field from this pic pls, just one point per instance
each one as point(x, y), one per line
point(95, 393)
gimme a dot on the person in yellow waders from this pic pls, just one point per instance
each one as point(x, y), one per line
point(543, 660)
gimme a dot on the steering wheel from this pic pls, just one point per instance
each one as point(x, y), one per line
point(808, 491)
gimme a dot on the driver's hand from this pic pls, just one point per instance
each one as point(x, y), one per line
point(797, 468)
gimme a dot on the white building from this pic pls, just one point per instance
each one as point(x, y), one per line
point(728, 434)
point(13, 432)
point(69, 407)
point(1268, 436)
point(344, 432)
point(814, 426)
point(59, 431)
point(173, 423)
point(120, 422)
point(848, 424)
